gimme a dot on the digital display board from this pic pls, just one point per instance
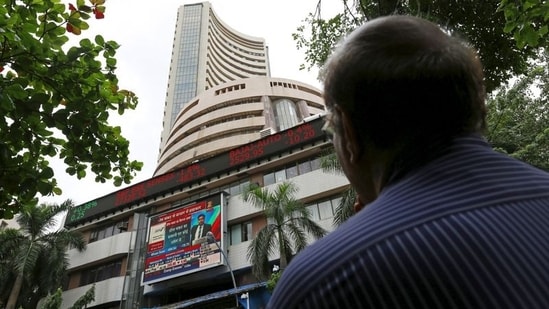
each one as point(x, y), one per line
point(268, 146)
point(184, 240)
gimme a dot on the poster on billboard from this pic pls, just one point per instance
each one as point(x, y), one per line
point(184, 240)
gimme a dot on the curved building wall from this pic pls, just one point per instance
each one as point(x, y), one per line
point(236, 113)
point(206, 53)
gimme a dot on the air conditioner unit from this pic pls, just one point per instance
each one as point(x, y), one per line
point(310, 118)
point(122, 226)
point(265, 132)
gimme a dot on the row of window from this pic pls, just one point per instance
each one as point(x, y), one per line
point(100, 272)
point(322, 210)
point(325, 209)
point(109, 230)
point(290, 171)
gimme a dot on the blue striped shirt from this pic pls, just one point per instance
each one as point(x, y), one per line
point(468, 230)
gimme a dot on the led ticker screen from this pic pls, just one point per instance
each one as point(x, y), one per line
point(239, 156)
point(179, 241)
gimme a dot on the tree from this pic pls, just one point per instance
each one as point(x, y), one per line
point(345, 209)
point(526, 21)
point(505, 35)
point(54, 301)
point(288, 223)
point(33, 257)
point(518, 117)
point(479, 21)
point(85, 299)
point(55, 101)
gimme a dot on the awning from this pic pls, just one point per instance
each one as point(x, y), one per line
point(213, 296)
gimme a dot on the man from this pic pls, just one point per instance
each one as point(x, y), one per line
point(449, 222)
point(201, 229)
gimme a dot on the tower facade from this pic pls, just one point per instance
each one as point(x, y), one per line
point(233, 114)
point(206, 53)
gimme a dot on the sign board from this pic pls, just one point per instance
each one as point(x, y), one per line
point(184, 240)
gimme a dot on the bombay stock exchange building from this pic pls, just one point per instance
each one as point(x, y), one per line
point(227, 124)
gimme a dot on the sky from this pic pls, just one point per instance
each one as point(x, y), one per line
point(145, 30)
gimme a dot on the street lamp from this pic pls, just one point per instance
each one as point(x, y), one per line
point(211, 239)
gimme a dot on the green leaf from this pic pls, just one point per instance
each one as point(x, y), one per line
point(529, 35)
point(99, 40)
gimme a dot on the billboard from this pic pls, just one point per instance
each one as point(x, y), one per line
point(184, 240)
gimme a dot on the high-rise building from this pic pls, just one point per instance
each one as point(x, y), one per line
point(227, 125)
point(236, 113)
point(206, 53)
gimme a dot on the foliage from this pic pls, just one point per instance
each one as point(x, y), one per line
point(273, 280)
point(55, 101)
point(345, 209)
point(54, 301)
point(288, 224)
point(526, 21)
point(85, 299)
point(518, 118)
point(479, 21)
point(33, 256)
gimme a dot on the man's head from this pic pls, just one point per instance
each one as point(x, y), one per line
point(201, 218)
point(400, 84)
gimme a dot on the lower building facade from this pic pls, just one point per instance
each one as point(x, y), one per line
point(143, 250)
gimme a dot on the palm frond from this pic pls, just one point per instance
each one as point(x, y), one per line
point(263, 245)
point(345, 209)
point(298, 235)
point(311, 227)
point(329, 162)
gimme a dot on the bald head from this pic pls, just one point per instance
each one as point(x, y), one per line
point(402, 79)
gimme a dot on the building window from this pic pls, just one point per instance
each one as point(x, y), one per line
point(290, 171)
point(100, 272)
point(241, 232)
point(286, 114)
point(108, 230)
point(324, 209)
point(238, 187)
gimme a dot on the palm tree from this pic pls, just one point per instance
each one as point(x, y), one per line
point(33, 256)
point(345, 209)
point(288, 223)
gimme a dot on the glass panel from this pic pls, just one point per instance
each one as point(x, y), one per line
point(236, 234)
point(291, 172)
point(304, 167)
point(246, 231)
point(286, 114)
point(109, 231)
point(243, 186)
point(233, 190)
point(315, 164)
point(335, 203)
point(101, 234)
point(280, 176)
point(268, 179)
point(325, 210)
point(313, 209)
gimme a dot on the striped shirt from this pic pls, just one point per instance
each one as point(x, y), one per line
point(468, 230)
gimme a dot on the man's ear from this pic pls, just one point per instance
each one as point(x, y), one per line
point(352, 143)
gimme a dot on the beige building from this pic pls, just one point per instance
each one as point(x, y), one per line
point(227, 124)
point(206, 53)
point(236, 113)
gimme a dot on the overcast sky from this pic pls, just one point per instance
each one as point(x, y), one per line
point(145, 30)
